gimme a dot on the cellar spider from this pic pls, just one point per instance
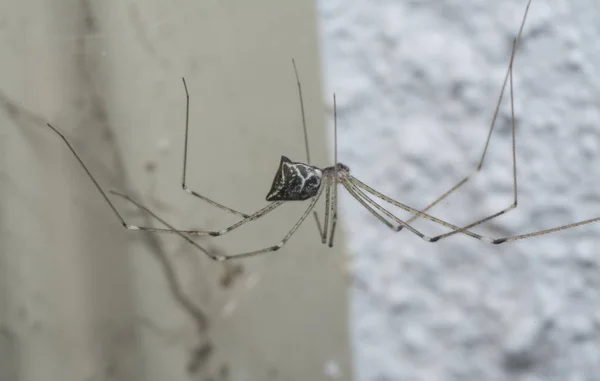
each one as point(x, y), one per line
point(296, 181)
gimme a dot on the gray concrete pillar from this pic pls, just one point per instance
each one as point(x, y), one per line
point(83, 299)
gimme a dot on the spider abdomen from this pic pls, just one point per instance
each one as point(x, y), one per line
point(295, 181)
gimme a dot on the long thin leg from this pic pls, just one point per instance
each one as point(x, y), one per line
point(487, 142)
point(185, 150)
point(463, 230)
point(335, 178)
point(302, 112)
point(170, 229)
point(285, 239)
point(214, 233)
point(321, 230)
point(248, 254)
point(99, 188)
point(352, 190)
point(327, 211)
point(514, 158)
point(353, 180)
point(323, 234)
point(364, 199)
point(546, 231)
point(334, 215)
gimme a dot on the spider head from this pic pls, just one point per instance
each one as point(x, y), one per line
point(342, 168)
point(339, 172)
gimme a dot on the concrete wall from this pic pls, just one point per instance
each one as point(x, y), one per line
point(416, 83)
point(82, 299)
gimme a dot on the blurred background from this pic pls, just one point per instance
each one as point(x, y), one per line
point(416, 83)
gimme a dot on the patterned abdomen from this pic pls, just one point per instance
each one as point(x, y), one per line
point(294, 181)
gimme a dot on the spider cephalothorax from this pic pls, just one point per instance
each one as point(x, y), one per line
point(339, 172)
point(295, 181)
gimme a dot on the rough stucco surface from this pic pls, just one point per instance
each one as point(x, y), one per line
point(416, 83)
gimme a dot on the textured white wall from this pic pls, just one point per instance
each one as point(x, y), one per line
point(416, 84)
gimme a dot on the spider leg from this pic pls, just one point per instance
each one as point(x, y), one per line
point(110, 204)
point(170, 229)
point(215, 233)
point(359, 197)
point(325, 229)
point(334, 215)
point(285, 239)
point(365, 200)
point(330, 209)
point(353, 180)
point(322, 233)
point(302, 112)
point(515, 193)
point(546, 231)
point(335, 175)
point(487, 142)
point(185, 150)
point(463, 230)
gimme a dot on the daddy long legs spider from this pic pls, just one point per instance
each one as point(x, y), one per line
point(296, 181)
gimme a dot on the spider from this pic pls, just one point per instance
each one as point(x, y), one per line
point(297, 181)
